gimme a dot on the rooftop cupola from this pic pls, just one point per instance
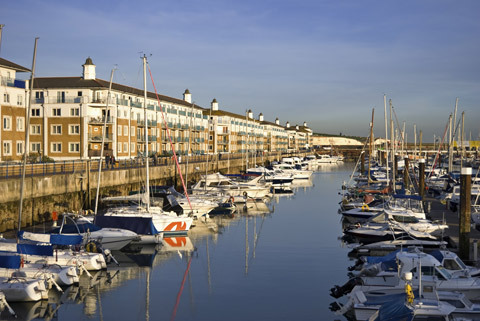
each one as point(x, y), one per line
point(214, 104)
point(288, 124)
point(89, 69)
point(296, 127)
point(277, 121)
point(187, 96)
point(260, 117)
point(250, 114)
point(305, 124)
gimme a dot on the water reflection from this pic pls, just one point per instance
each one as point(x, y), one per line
point(254, 259)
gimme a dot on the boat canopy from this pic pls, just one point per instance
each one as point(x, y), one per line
point(55, 239)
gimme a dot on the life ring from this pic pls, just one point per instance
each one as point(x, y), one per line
point(231, 199)
point(91, 247)
point(365, 208)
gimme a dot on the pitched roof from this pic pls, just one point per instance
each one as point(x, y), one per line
point(79, 82)
point(8, 64)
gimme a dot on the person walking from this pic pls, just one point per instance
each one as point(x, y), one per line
point(107, 160)
point(113, 161)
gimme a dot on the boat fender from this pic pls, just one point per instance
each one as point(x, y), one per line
point(91, 247)
point(245, 194)
point(365, 208)
point(232, 199)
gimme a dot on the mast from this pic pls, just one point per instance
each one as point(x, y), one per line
point(450, 145)
point(246, 129)
point(371, 147)
point(104, 130)
point(189, 143)
point(147, 183)
point(386, 135)
point(392, 137)
point(27, 136)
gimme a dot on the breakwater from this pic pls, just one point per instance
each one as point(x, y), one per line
point(71, 186)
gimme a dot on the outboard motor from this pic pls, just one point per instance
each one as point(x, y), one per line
point(338, 291)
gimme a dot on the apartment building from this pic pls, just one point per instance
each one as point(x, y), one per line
point(71, 117)
point(13, 97)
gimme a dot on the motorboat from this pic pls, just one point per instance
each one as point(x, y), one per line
point(276, 177)
point(109, 238)
point(291, 169)
point(218, 183)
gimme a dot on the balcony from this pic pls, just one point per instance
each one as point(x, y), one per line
point(122, 102)
point(136, 104)
point(96, 152)
point(10, 82)
point(98, 137)
point(100, 120)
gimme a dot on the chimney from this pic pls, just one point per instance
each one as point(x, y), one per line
point(260, 117)
point(89, 69)
point(250, 114)
point(214, 104)
point(277, 121)
point(187, 96)
point(288, 124)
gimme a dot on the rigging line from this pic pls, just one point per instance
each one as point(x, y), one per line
point(177, 302)
point(438, 152)
point(170, 140)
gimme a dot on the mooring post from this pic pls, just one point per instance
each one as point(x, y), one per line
point(475, 250)
point(465, 213)
point(406, 181)
point(421, 177)
point(395, 166)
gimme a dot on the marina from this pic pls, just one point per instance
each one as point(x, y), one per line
point(267, 262)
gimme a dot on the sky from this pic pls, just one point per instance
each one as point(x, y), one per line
point(325, 62)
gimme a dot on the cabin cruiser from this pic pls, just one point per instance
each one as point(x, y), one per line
point(291, 169)
point(218, 183)
point(276, 177)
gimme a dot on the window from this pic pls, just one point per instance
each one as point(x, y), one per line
point(36, 112)
point(19, 100)
point(19, 148)
point(132, 147)
point(75, 111)
point(74, 147)
point(7, 123)
point(56, 129)
point(6, 97)
point(35, 130)
point(125, 130)
point(119, 129)
point(125, 147)
point(35, 147)
point(56, 147)
point(60, 96)
point(20, 124)
point(79, 94)
point(74, 129)
point(119, 147)
point(132, 130)
point(57, 112)
point(7, 148)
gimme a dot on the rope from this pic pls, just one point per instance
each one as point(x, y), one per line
point(170, 140)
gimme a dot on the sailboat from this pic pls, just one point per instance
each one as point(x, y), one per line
point(156, 221)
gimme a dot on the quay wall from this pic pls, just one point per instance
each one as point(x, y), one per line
point(76, 190)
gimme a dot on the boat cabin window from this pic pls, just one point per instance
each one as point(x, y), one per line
point(222, 183)
point(202, 184)
point(451, 264)
point(212, 184)
point(455, 303)
point(405, 219)
point(441, 273)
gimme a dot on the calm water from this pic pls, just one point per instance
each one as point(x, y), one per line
point(262, 266)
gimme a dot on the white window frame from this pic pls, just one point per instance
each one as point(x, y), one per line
point(20, 150)
point(7, 123)
point(33, 147)
point(20, 124)
point(119, 130)
point(132, 147)
point(7, 144)
point(35, 112)
point(57, 112)
point(55, 129)
point(74, 147)
point(35, 129)
point(119, 147)
point(132, 131)
point(19, 100)
point(125, 130)
point(125, 147)
point(54, 147)
point(74, 129)
point(75, 111)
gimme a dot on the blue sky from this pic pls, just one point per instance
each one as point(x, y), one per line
point(324, 62)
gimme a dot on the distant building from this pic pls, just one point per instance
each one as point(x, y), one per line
point(328, 141)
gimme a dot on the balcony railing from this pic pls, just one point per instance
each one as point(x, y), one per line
point(100, 120)
point(98, 137)
point(10, 82)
